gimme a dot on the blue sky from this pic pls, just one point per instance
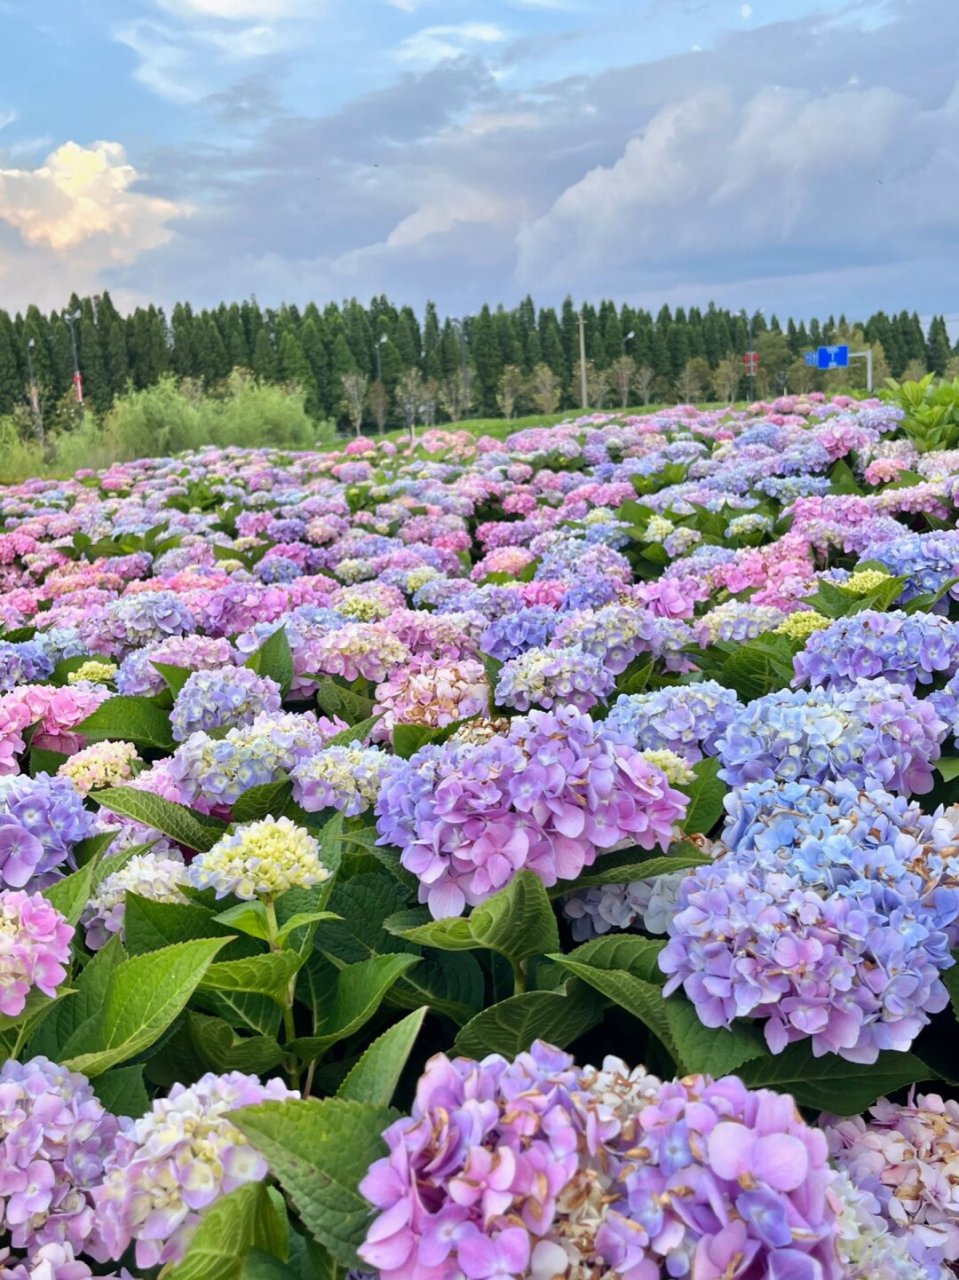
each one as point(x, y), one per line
point(788, 154)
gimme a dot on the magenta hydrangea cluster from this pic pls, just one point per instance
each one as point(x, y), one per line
point(547, 796)
point(34, 946)
point(542, 1169)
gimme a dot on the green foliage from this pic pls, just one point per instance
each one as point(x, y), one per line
point(931, 411)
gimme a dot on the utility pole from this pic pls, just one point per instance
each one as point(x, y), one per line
point(34, 393)
point(72, 318)
point(583, 389)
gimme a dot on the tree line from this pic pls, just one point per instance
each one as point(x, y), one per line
point(379, 365)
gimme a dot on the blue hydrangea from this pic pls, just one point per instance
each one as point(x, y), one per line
point(51, 811)
point(513, 634)
point(228, 698)
point(906, 648)
point(687, 719)
point(24, 662)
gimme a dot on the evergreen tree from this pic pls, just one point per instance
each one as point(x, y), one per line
point(96, 385)
point(486, 358)
point(11, 389)
point(937, 346)
point(264, 357)
point(181, 328)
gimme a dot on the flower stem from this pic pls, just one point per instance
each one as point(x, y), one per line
point(519, 977)
point(289, 1026)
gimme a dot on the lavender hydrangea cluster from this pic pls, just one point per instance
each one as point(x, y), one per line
point(168, 1166)
point(340, 777)
point(614, 634)
point(648, 904)
point(228, 698)
point(544, 1169)
point(687, 719)
point(512, 635)
point(138, 675)
point(904, 648)
point(825, 915)
point(547, 796)
point(35, 942)
point(875, 733)
point(23, 662)
point(554, 677)
point(133, 621)
point(54, 1141)
point(42, 819)
point(156, 876)
point(927, 560)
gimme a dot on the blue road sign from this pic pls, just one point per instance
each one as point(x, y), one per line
point(832, 357)
point(812, 358)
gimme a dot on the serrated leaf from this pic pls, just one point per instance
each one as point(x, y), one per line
point(518, 922)
point(128, 719)
point(358, 732)
point(450, 984)
point(335, 700)
point(274, 659)
point(268, 974)
point(350, 1000)
point(123, 1092)
point(948, 767)
point(376, 1075)
point(267, 801)
point(319, 1151)
point(71, 894)
point(149, 925)
point(635, 955)
point(246, 917)
point(224, 1050)
point(184, 826)
point(644, 1000)
point(831, 1083)
point(83, 1007)
point(453, 934)
point(706, 796)
point(631, 871)
point(717, 1050)
point(242, 1220)
point(174, 677)
point(511, 1026)
point(143, 996)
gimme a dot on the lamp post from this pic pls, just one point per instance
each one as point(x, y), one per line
point(34, 393)
point(379, 356)
point(583, 387)
point(464, 350)
point(72, 318)
point(629, 337)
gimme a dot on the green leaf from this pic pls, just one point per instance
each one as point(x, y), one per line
point(626, 951)
point(300, 920)
point(246, 917)
point(716, 1050)
point(336, 699)
point(261, 1266)
point(183, 825)
point(451, 985)
point(274, 660)
point(223, 1049)
point(319, 1152)
point(452, 934)
point(518, 922)
point(268, 974)
point(42, 761)
point(83, 1008)
point(150, 925)
point(948, 766)
point(842, 479)
point(626, 874)
point(267, 801)
point(376, 1075)
point(831, 1083)
point(349, 1000)
point(358, 732)
point(174, 677)
point(706, 796)
point(123, 1092)
point(247, 1218)
point(511, 1026)
point(760, 666)
point(72, 894)
point(644, 1000)
point(128, 719)
point(143, 996)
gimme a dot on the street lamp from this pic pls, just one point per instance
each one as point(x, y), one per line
point(73, 318)
point(464, 347)
point(629, 337)
point(379, 356)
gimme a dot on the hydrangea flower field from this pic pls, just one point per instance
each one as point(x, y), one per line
point(486, 859)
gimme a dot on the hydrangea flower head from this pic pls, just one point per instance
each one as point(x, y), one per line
point(152, 875)
point(227, 698)
point(103, 764)
point(260, 860)
point(35, 944)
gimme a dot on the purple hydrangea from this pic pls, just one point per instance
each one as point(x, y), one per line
point(45, 811)
point(875, 733)
point(548, 796)
point(168, 1166)
point(822, 917)
point(539, 1168)
point(54, 1140)
point(687, 719)
point(138, 674)
point(35, 943)
point(509, 636)
point(26, 662)
point(554, 677)
point(904, 648)
point(142, 618)
point(229, 698)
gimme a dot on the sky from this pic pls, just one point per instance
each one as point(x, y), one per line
point(796, 155)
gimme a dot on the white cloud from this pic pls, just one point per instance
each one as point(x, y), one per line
point(746, 10)
point(448, 210)
point(256, 11)
point(436, 44)
point(7, 116)
point(83, 196)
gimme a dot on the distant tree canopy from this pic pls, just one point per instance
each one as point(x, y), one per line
point(492, 363)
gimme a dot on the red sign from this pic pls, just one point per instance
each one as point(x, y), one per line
point(751, 361)
point(78, 386)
